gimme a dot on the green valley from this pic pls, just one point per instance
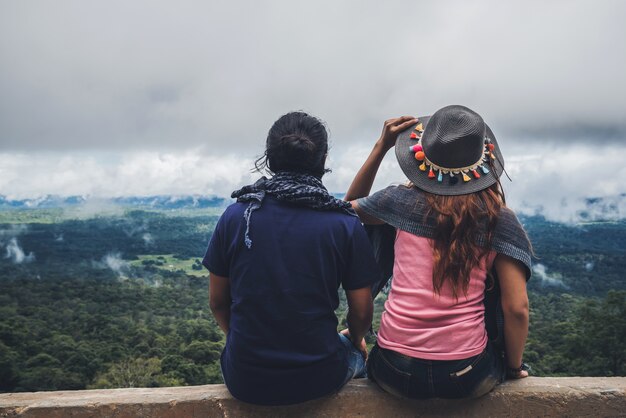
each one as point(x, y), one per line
point(120, 299)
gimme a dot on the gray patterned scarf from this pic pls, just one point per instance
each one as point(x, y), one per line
point(295, 188)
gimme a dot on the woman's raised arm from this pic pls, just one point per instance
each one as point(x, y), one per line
point(362, 183)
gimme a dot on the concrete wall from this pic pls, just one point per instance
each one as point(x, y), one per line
point(531, 397)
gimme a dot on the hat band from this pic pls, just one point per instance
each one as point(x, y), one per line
point(456, 170)
point(484, 158)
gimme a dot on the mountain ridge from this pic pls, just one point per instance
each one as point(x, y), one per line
point(588, 209)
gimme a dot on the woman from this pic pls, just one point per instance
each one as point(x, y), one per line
point(276, 260)
point(453, 230)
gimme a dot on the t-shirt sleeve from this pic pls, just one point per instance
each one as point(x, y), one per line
point(361, 267)
point(215, 259)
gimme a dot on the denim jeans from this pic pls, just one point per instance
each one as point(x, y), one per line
point(414, 378)
point(356, 362)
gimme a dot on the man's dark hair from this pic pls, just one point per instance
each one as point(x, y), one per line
point(296, 142)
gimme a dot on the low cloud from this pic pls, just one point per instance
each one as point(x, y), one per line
point(132, 228)
point(148, 239)
point(549, 280)
point(581, 182)
point(125, 174)
point(16, 254)
point(13, 250)
point(115, 262)
point(577, 183)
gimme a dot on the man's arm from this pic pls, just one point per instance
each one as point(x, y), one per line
point(220, 301)
point(360, 313)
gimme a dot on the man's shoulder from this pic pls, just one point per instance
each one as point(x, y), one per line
point(320, 215)
point(233, 213)
point(235, 208)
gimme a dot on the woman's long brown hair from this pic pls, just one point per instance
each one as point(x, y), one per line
point(464, 228)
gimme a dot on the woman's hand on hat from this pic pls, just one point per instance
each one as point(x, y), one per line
point(392, 128)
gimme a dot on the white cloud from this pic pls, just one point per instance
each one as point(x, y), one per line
point(552, 280)
point(555, 181)
point(167, 76)
point(115, 262)
point(148, 239)
point(547, 179)
point(178, 98)
point(16, 254)
point(13, 250)
point(130, 174)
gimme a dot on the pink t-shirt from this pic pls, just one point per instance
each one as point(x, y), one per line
point(417, 322)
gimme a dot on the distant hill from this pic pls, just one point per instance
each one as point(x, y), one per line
point(590, 209)
point(586, 258)
point(152, 202)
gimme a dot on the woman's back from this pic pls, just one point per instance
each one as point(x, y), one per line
point(417, 322)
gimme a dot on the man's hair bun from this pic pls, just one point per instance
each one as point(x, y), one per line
point(296, 142)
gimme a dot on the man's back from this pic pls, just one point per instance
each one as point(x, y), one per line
point(283, 346)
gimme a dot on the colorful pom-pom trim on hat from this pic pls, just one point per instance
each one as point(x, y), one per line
point(418, 131)
point(427, 165)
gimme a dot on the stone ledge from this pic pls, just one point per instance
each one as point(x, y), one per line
point(531, 397)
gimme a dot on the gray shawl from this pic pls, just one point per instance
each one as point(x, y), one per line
point(405, 208)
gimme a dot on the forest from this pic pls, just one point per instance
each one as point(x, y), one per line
point(121, 300)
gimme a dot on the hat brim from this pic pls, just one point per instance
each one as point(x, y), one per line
point(410, 167)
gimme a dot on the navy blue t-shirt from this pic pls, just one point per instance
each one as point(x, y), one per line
point(283, 346)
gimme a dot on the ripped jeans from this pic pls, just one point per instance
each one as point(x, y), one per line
point(414, 378)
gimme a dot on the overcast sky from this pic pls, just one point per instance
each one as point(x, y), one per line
point(147, 97)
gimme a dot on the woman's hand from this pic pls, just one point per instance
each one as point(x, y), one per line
point(392, 128)
point(517, 372)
